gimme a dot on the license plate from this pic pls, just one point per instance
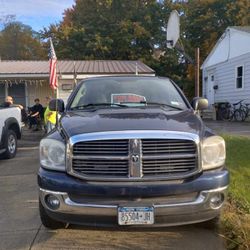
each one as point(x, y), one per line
point(135, 215)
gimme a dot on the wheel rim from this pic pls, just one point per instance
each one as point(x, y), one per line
point(11, 144)
point(238, 116)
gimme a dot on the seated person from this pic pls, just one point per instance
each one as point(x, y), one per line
point(35, 114)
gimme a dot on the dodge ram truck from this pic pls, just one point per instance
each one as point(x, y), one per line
point(130, 151)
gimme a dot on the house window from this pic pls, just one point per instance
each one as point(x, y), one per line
point(239, 77)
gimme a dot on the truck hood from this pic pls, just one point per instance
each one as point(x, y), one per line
point(101, 120)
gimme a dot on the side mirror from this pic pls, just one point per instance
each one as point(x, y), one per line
point(199, 103)
point(56, 105)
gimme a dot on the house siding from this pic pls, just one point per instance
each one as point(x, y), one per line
point(64, 94)
point(38, 91)
point(224, 74)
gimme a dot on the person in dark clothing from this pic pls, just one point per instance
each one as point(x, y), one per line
point(35, 114)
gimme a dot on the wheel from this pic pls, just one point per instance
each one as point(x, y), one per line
point(48, 221)
point(239, 115)
point(223, 114)
point(10, 145)
point(211, 224)
point(231, 115)
point(244, 115)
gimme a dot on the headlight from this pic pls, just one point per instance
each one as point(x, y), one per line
point(52, 154)
point(213, 152)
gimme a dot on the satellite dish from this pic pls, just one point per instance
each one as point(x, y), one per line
point(173, 29)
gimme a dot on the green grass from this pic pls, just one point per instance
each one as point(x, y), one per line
point(236, 216)
point(238, 163)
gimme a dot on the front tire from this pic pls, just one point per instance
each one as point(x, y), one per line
point(47, 221)
point(10, 145)
point(239, 115)
point(224, 114)
point(212, 224)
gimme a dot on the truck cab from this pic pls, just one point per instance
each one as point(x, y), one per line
point(130, 151)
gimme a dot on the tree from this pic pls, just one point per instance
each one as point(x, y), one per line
point(5, 19)
point(20, 42)
point(108, 29)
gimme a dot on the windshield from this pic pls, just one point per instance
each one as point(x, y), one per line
point(123, 92)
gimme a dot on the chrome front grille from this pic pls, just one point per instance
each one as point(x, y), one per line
point(167, 146)
point(168, 166)
point(95, 167)
point(168, 157)
point(135, 158)
point(103, 148)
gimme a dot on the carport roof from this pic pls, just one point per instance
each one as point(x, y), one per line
point(79, 67)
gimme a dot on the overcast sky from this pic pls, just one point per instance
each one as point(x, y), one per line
point(36, 13)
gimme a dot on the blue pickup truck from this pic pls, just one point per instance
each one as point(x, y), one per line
point(131, 151)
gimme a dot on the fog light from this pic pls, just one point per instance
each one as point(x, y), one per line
point(52, 201)
point(216, 200)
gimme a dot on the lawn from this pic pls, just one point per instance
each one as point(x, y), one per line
point(236, 216)
point(238, 162)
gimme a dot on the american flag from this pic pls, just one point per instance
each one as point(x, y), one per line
point(52, 66)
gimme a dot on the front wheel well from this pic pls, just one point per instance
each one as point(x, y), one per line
point(16, 129)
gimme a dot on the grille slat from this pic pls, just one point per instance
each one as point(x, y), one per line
point(173, 171)
point(167, 144)
point(101, 152)
point(101, 173)
point(111, 164)
point(165, 151)
point(102, 169)
point(111, 158)
point(162, 162)
point(168, 166)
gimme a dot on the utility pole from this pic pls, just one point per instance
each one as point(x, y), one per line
point(197, 72)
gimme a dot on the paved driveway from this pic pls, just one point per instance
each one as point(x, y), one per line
point(20, 226)
point(233, 128)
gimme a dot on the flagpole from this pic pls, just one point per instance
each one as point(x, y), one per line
point(75, 76)
point(53, 75)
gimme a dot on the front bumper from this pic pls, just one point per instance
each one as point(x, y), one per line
point(91, 203)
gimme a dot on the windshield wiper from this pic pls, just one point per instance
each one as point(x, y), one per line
point(98, 104)
point(155, 103)
point(162, 104)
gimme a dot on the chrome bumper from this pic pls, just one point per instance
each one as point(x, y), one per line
point(178, 213)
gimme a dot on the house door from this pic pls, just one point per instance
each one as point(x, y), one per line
point(17, 91)
point(2, 93)
point(210, 89)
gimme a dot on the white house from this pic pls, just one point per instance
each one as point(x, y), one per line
point(226, 70)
